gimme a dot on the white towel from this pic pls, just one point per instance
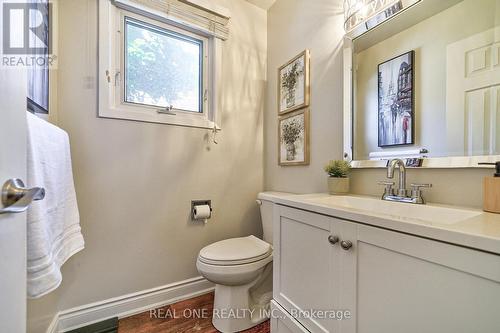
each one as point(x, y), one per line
point(54, 232)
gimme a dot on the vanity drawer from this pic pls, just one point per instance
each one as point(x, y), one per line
point(282, 322)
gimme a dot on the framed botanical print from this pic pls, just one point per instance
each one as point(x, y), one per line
point(294, 84)
point(293, 138)
point(396, 107)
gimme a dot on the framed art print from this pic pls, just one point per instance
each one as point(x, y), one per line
point(293, 138)
point(294, 84)
point(396, 109)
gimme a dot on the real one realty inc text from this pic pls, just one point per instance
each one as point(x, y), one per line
point(169, 313)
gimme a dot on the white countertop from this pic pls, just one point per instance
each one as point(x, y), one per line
point(481, 231)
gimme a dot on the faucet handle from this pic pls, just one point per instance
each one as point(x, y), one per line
point(388, 187)
point(419, 186)
point(416, 192)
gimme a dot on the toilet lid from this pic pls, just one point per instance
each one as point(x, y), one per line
point(235, 251)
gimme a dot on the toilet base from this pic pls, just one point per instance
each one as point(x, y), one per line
point(237, 308)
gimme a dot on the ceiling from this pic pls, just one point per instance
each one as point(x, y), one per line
point(264, 4)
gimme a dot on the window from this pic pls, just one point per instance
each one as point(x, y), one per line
point(38, 76)
point(38, 90)
point(158, 68)
point(162, 68)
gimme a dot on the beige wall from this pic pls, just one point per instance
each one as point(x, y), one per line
point(297, 24)
point(135, 181)
point(294, 25)
point(429, 39)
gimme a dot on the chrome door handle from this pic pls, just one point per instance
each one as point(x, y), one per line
point(16, 198)
point(333, 239)
point(346, 245)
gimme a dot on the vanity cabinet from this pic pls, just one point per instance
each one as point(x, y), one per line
point(388, 281)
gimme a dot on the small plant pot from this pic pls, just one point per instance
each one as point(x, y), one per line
point(337, 186)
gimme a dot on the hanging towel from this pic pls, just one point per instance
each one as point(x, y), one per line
point(54, 232)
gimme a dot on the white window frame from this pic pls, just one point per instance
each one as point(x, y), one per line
point(112, 102)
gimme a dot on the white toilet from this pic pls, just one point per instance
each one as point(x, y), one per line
point(242, 271)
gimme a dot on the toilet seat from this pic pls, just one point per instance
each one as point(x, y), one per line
point(235, 251)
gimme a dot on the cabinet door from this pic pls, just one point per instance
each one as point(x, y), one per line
point(410, 284)
point(306, 267)
point(348, 266)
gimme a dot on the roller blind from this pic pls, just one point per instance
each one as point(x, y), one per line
point(191, 13)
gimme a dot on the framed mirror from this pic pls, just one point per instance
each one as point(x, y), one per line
point(422, 83)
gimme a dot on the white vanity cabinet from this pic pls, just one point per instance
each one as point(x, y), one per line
point(389, 281)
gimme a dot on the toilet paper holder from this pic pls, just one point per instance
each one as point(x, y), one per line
point(195, 203)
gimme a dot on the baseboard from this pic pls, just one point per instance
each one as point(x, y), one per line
point(128, 305)
point(54, 325)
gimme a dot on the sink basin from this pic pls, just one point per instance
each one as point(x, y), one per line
point(403, 211)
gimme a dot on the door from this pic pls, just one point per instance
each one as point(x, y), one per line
point(413, 285)
point(306, 268)
point(12, 226)
point(348, 267)
point(473, 95)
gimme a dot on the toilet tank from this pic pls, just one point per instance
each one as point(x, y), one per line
point(266, 214)
point(267, 200)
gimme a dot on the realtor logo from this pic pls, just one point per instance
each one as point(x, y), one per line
point(26, 28)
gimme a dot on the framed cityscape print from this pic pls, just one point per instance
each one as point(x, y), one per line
point(293, 138)
point(396, 111)
point(294, 84)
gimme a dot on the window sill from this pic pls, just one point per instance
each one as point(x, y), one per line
point(181, 119)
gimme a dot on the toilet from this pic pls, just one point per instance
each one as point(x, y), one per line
point(242, 270)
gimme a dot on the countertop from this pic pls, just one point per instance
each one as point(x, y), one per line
point(481, 232)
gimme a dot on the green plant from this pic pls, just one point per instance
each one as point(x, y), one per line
point(338, 168)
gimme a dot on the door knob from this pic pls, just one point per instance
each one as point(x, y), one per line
point(16, 198)
point(346, 245)
point(333, 239)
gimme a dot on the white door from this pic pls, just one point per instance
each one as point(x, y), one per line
point(12, 226)
point(473, 95)
point(306, 270)
point(413, 285)
point(348, 266)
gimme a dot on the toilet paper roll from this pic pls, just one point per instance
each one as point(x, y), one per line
point(202, 212)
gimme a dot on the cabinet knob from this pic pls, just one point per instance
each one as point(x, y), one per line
point(346, 245)
point(333, 239)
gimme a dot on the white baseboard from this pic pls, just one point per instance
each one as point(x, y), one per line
point(53, 327)
point(128, 305)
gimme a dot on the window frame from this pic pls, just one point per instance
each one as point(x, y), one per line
point(112, 102)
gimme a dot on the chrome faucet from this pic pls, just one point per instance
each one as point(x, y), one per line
point(402, 193)
point(402, 174)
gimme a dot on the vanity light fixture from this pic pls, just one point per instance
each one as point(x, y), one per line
point(361, 16)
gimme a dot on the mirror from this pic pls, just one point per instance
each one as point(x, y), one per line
point(426, 83)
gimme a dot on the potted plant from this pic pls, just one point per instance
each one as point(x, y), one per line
point(338, 180)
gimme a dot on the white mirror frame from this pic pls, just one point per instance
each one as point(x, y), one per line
point(348, 113)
